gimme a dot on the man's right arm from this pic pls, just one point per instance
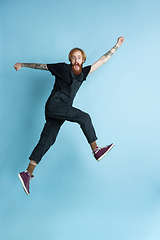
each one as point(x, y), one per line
point(18, 66)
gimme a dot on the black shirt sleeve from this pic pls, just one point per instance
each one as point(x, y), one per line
point(61, 73)
point(58, 69)
point(86, 70)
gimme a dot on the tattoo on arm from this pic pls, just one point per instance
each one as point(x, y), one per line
point(41, 66)
point(35, 66)
point(115, 48)
point(108, 54)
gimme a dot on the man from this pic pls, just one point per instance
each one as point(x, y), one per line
point(68, 79)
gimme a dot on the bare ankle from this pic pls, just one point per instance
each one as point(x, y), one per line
point(93, 145)
point(31, 166)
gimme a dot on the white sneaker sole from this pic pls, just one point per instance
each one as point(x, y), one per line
point(25, 189)
point(106, 152)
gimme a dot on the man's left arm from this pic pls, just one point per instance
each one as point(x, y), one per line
point(107, 56)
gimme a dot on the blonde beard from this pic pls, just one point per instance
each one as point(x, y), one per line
point(77, 72)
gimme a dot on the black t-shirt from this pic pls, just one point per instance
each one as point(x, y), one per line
point(63, 78)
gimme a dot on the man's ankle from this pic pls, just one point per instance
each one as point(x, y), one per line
point(93, 145)
point(31, 167)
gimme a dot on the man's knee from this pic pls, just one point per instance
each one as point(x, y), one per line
point(85, 119)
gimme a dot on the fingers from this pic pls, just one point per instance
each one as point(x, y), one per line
point(17, 66)
point(122, 39)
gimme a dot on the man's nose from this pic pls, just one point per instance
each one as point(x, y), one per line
point(77, 60)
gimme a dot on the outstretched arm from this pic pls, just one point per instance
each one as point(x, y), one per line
point(18, 66)
point(107, 56)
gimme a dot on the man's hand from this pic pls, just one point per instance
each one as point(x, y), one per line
point(120, 41)
point(17, 66)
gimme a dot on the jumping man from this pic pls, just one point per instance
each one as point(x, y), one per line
point(68, 79)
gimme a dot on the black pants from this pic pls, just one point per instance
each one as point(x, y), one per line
point(57, 111)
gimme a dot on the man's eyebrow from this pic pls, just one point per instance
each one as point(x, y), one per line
point(77, 55)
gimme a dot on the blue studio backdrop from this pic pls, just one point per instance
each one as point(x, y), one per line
point(73, 197)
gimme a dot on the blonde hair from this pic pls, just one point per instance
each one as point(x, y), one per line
point(75, 50)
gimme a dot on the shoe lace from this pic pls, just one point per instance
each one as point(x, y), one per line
point(96, 150)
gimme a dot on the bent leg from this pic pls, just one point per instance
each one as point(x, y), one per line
point(47, 138)
point(65, 111)
point(86, 125)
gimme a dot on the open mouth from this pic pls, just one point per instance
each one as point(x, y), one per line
point(76, 66)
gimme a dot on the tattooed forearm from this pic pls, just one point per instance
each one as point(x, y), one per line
point(108, 54)
point(111, 52)
point(30, 65)
point(35, 66)
point(41, 66)
point(115, 48)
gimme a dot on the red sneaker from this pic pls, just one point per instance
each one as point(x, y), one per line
point(25, 178)
point(100, 152)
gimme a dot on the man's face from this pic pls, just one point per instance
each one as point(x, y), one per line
point(76, 62)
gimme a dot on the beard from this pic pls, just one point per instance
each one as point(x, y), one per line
point(77, 72)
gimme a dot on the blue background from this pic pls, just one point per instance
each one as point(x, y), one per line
point(72, 196)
